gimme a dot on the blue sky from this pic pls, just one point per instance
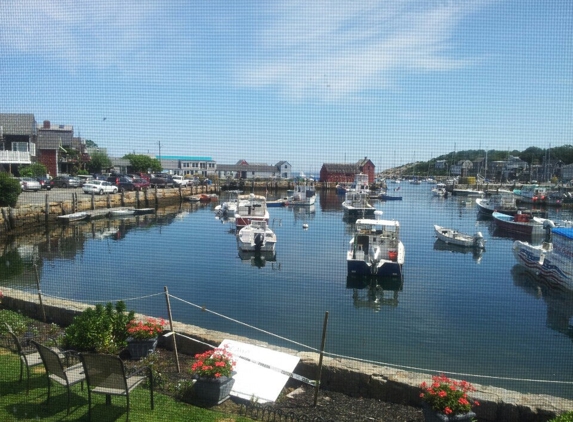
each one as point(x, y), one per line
point(304, 81)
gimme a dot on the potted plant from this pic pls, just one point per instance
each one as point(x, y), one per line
point(447, 400)
point(213, 371)
point(143, 335)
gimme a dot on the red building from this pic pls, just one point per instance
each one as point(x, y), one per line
point(345, 173)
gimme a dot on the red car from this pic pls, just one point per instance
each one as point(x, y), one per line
point(45, 183)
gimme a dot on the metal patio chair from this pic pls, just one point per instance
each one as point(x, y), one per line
point(57, 371)
point(29, 356)
point(105, 374)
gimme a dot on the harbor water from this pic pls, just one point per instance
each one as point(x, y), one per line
point(477, 315)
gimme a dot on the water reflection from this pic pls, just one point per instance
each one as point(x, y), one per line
point(374, 292)
point(258, 259)
point(559, 302)
point(477, 254)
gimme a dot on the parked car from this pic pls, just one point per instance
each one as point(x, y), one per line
point(162, 180)
point(140, 183)
point(85, 179)
point(180, 180)
point(123, 182)
point(100, 187)
point(66, 182)
point(45, 183)
point(27, 183)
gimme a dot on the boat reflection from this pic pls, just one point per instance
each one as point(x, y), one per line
point(559, 302)
point(258, 259)
point(374, 292)
point(477, 254)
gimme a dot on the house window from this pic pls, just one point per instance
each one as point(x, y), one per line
point(20, 146)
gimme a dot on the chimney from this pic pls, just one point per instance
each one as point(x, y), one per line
point(46, 124)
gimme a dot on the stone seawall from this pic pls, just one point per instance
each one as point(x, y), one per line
point(29, 217)
point(351, 377)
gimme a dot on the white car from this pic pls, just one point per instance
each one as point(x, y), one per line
point(99, 186)
point(27, 183)
point(180, 180)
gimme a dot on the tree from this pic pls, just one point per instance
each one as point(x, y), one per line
point(90, 144)
point(9, 190)
point(33, 170)
point(98, 161)
point(143, 163)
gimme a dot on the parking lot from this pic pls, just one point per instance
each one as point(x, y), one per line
point(54, 195)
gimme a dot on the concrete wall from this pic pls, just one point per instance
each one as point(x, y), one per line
point(354, 378)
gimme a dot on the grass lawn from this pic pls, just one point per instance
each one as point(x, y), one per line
point(15, 405)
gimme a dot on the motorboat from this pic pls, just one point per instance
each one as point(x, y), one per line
point(520, 223)
point(256, 237)
point(455, 237)
point(122, 212)
point(357, 205)
point(75, 216)
point(503, 202)
point(474, 193)
point(302, 195)
point(250, 208)
point(552, 260)
point(376, 249)
point(439, 190)
point(228, 208)
point(530, 194)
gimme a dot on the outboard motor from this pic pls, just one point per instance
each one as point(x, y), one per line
point(548, 225)
point(479, 241)
point(259, 240)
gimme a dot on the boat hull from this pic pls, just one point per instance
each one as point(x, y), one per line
point(554, 268)
point(384, 269)
point(508, 223)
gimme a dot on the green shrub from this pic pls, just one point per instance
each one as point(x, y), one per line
point(9, 190)
point(565, 417)
point(18, 322)
point(100, 329)
point(33, 170)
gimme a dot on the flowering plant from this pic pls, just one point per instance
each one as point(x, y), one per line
point(448, 396)
point(213, 364)
point(143, 330)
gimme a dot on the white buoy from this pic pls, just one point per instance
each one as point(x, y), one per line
point(305, 226)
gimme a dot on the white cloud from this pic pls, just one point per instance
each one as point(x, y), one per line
point(331, 49)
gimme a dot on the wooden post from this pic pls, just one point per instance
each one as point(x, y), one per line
point(40, 292)
point(156, 199)
point(108, 200)
point(180, 194)
point(319, 373)
point(123, 197)
point(93, 201)
point(171, 328)
point(137, 199)
point(46, 208)
point(146, 198)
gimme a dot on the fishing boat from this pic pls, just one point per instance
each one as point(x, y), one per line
point(356, 205)
point(385, 197)
point(439, 190)
point(256, 237)
point(228, 208)
point(250, 208)
point(474, 193)
point(302, 195)
point(503, 202)
point(75, 216)
point(552, 260)
point(520, 223)
point(376, 249)
point(530, 194)
point(455, 237)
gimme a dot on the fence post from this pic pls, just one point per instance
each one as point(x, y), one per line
point(40, 292)
point(47, 208)
point(319, 374)
point(171, 328)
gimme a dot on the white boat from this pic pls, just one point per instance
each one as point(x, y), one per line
point(552, 260)
point(76, 216)
point(454, 237)
point(474, 193)
point(439, 190)
point(122, 212)
point(256, 237)
point(303, 194)
point(376, 249)
point(503, 201)
point(228, 208)
point(356, 205)
point(250, 208)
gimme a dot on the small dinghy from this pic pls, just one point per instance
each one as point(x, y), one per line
point(454, 237)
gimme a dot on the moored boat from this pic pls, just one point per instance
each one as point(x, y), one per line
point(121, 212)
point(256, 237)
point(302, 195)
point(551, 260)
point(531, 194)
point(376, 249)
point(76, 216)
point(503, 202)
point(520, 223)
point(356, 205)
point(250, 208)
point(455, 237)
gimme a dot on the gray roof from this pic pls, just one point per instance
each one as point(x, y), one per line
point(244, 167)
point(341, 168)
point(18, 124)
